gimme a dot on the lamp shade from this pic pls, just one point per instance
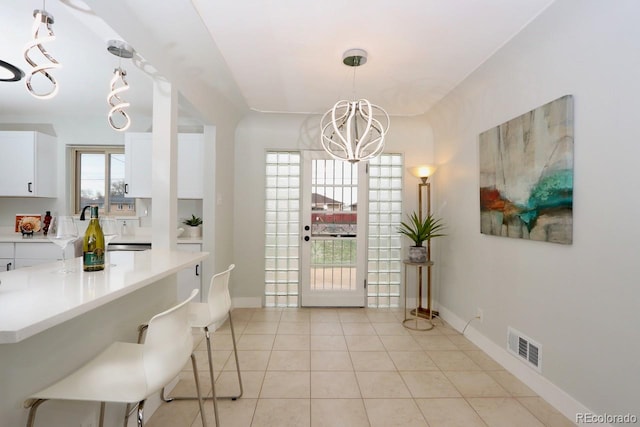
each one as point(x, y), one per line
point(422, 171)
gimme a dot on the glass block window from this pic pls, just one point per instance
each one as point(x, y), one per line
point(385, 214)
point(282, 229)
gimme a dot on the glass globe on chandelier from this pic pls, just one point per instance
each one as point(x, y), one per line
point(350, 130)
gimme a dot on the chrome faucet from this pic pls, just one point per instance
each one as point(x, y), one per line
point(83, 211)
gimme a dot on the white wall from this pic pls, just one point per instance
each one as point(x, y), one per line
point(580, 301)
point(256, 134)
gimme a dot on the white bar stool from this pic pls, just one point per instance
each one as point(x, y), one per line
point(203, 315)
point(128, 372)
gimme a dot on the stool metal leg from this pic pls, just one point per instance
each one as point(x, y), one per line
point(210, 357)
point(140, 414)
point(212, 376)
point(101, 420)
point(235, 353)
point(33, 407)
point(127, 413)
point(195, 377)
point(164, 397)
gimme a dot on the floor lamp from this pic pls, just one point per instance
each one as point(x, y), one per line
point(424, 172)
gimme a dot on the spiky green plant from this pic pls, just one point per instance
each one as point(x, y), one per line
point(420, 230)
point(194, 221)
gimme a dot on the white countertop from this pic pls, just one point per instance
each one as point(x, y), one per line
point(36, 298)
point(40, 238)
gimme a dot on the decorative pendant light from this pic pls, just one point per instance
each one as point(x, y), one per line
point(42, 21)
point(118, 85)
point(349, 130)
point(9, 72)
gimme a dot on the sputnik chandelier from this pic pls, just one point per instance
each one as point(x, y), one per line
point(118, 118)
point(349, 130)
point(41, 24)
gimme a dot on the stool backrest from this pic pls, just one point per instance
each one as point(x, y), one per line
point(168, 344)
point(219, 299)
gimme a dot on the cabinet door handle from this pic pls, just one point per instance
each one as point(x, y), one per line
point(9, 266)
point(29, 185)
point(197, 272)
point(126, 189)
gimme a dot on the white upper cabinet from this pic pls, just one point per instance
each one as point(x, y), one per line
point(28, 164)
point(137, 169)
point(190, 166)
point(137, 164)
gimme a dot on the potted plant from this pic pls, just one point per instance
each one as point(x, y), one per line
point(195, 226)
point(420, 230)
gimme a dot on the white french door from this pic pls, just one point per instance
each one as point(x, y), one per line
point(334, 216)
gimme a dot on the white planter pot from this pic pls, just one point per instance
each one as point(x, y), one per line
point(417, 253)
point(192, 231)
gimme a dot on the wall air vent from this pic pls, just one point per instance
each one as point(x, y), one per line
point(524, 348)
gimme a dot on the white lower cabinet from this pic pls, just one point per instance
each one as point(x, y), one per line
point(6, 256)
point(6, 264)
point(190, 278)
point(32, 253)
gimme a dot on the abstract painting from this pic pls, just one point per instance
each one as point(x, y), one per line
point(526, 175)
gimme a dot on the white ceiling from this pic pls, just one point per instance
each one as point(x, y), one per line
point(280, 55)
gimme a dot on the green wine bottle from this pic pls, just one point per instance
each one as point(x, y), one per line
point(93, 245)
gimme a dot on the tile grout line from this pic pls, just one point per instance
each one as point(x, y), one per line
point(510, 395)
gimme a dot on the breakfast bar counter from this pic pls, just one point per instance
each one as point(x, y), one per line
point(37, 298)
point(51, 323)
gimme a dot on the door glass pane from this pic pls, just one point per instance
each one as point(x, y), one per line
point(334, 218)
point(92, 179)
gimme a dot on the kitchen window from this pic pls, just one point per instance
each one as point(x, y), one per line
point(99, 180)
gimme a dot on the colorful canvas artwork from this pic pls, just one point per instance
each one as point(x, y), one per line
point(526, 175)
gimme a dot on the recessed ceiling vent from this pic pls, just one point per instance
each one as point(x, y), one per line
point(525, 349)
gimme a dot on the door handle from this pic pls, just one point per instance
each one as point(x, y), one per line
point(126, 189)
point(197, 272)
point(306, 238)
point(8, 266)
point(29, 185)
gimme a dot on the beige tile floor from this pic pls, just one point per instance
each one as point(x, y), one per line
point(351, 368)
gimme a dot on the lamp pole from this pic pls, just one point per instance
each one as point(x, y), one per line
point(420, 310)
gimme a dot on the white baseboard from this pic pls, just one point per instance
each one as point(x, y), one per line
point(554, 395)
point(256, 302)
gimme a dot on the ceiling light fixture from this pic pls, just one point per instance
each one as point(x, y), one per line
point(14, 73)
point(42, 21)
point(118, 85)
point(349, 130)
